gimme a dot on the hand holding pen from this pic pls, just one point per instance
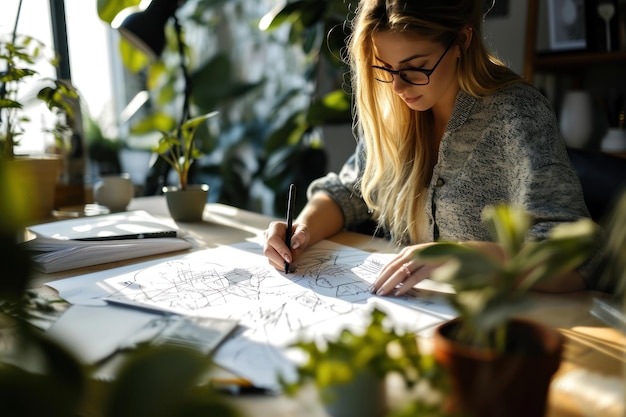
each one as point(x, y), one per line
point(285, 240)
point(291, 201)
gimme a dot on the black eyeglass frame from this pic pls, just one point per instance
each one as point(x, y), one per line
point(426, 72)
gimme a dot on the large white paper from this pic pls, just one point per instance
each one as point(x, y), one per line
point(328, 291)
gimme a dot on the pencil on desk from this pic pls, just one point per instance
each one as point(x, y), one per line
point(147, 235)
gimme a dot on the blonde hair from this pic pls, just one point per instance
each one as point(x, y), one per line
point(399, 153)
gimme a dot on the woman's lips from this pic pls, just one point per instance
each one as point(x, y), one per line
point(410, 100)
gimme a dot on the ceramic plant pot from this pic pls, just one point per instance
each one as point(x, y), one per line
point(365, 396)
point(186, 205)
point(37, 177)
point(488, 384)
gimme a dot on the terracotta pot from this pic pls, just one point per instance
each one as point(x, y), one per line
point(37, 177)
point(487, 384)
point(186, 205)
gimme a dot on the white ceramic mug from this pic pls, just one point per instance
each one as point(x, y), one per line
point(614, 140)
point(114, 192)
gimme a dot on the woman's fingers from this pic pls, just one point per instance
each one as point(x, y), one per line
point(275, 248)
point(401, 274)
point(400, 280)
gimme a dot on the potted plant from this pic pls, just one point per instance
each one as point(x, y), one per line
point(185, 201)
point(38, 174)
point(500, 364)
point(350, 372)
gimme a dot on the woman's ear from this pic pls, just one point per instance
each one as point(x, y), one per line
point(468, 32)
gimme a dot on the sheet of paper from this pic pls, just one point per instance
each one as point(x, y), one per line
point(328, 291)
point(93, 333)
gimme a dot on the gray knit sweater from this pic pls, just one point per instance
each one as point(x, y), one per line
point(504, 148)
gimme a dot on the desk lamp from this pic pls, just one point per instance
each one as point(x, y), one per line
point(145, 30)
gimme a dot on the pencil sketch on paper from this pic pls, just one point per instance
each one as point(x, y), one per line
point(330, 281)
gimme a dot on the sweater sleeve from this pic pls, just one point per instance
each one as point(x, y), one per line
point(344, 189)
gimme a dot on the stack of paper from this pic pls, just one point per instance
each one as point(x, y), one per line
point(76, 243)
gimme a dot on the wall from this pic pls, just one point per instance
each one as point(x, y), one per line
point(506, 35)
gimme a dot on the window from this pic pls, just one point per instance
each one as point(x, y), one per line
point(91, 64)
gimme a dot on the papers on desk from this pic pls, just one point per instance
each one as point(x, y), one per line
point(76, 243)
point(94, 333)
point(328, 291)
point(611, 311)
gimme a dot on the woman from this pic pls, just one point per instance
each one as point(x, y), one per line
point(445, 130)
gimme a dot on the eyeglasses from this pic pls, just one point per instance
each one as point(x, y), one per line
point(415, 76)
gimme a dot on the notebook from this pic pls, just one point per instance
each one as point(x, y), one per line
point(77, 243)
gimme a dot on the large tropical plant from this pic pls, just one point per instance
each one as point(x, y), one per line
point(318, 29)
point(267, 135)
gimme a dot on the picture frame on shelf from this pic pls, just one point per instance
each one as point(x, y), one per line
point(566, 23)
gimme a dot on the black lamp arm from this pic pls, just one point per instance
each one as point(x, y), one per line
point(186, 77)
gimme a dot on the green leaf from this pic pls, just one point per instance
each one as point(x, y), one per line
point(108, 9)
point(508, 226)
point(133, 59)
point(7, 103)
point(279, 15)
point(333, 108)
point(193, 123)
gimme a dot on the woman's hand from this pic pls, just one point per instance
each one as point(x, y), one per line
point(402, 273)
point(275, 248)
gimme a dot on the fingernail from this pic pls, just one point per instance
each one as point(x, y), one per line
point(380, 292)
point(295, 245)
point(286, 257)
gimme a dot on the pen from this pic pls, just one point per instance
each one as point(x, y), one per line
point(238, 387)
point(290, 203)
point(150, 235)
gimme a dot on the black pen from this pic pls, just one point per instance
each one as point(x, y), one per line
point(291, 202)
point(148, 235)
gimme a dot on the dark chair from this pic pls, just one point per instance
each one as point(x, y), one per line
point(603, 179)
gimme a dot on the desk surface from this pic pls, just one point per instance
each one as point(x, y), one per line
point(590, 381)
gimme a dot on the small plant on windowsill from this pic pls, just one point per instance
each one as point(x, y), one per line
point(19, 56)
point(178, 149)
point(185, 201)
point(350, 372)
point(518, 357)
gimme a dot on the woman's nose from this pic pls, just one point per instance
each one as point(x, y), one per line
point(398, 84)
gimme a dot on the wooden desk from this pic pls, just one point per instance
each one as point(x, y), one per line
point(593, 363)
